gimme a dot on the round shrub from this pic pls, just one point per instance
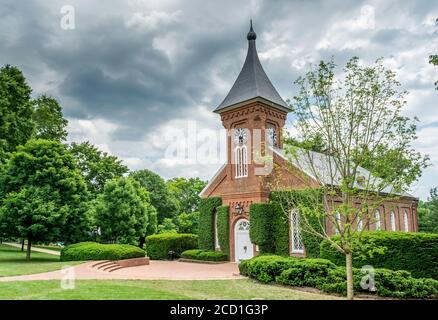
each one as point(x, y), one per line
point(204, 255)
point(158, 246)
point(413, 252)
point(96, 251)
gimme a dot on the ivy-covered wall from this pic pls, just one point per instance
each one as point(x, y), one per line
point(207, 209)
point(310, 203)
point(261, 230)
point(270, 221)
point(223, 228)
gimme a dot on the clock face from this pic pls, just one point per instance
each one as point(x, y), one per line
point(272, 136)
point(240, 136)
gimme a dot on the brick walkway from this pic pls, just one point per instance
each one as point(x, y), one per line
point(157, 270)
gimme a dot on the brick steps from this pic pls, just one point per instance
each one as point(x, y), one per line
point(113, 265)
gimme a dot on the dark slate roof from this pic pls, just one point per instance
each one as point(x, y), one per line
point(252, 81)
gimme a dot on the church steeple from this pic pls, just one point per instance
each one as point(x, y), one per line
point(252, 82)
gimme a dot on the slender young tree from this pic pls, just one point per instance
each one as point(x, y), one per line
point(358, 118)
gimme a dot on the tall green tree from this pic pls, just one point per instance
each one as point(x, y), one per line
point(124, 213)
point(428, 213)
point(96, 166)
point(186, 192)
point(161, 198)
point(355, 114)
point(43, 194)
point(16, 109)
point(50, 123)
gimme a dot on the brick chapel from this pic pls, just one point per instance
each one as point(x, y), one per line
point(254, 105)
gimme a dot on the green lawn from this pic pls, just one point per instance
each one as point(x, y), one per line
point(13, 262)
point(152, 290)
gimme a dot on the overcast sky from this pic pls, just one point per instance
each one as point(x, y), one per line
point(133, 72)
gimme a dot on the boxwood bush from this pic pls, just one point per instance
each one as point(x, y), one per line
point(413, 252)
point(204, 255)
point(159, 245)
point(326, 276)
point(96, 251)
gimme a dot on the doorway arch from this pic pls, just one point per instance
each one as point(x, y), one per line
point(243, 247)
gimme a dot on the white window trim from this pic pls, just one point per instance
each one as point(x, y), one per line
point(292, 232)
point(406, 220)
point(337, 218)
point(378, 223)
point(241, 159)
point(392, 219)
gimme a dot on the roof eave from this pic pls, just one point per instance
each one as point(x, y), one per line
point(255, 99)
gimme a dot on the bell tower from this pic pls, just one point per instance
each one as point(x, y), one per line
point(254, 115)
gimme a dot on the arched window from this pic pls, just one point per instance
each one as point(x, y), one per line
point(216, 235)
point(360, 224)
point(338, 219)
point(297, 242)
point(241, 158)
point(378, 222)
point(406, 220)
point(392, 218)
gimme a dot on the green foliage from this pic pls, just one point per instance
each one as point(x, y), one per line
point(123, 211)
point(49, 121)
point(97, 251)
point(161, 198)
point(97, 167)
point(204, 255)
point(186, 191)
point(45, 173)
point(262, 227)
point(414, 252)
point(325, 275)
point(167, 226)
point(207, 208)
point(223, 228)
point(428, 213)
point(16, 109)
point(187, 222)
point(159, 245)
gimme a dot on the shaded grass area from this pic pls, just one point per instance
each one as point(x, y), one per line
point(153, 290)
point(54, 248)
point(13, 262)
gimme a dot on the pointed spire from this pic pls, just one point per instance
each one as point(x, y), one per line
point(251, 34)
point(252, 82)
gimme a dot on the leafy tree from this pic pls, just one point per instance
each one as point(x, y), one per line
point(187, 222)
point(433, 59)
point(96, 166)
point(124, 212)
point(315, 143)
point(356, 116)
point(163, 201)
point(428, 213)
point(43, 194)
point(49, 121)
point(16, 109)
point(187, 192)
point(167, 226)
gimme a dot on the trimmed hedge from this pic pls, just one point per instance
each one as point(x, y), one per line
point(261, 231)
point(223, 228)
point(204, 255)
point(158, 246)
point(207, 208)
point(96, 251)
point(413, 252)
point(326, 276)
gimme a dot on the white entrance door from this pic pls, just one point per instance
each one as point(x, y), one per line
point(243, 248)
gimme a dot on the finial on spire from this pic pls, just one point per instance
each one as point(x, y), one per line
point(251, 34)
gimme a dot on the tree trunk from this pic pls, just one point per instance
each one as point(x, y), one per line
point(22, 245)
point(349, 270)
point(29, 244)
